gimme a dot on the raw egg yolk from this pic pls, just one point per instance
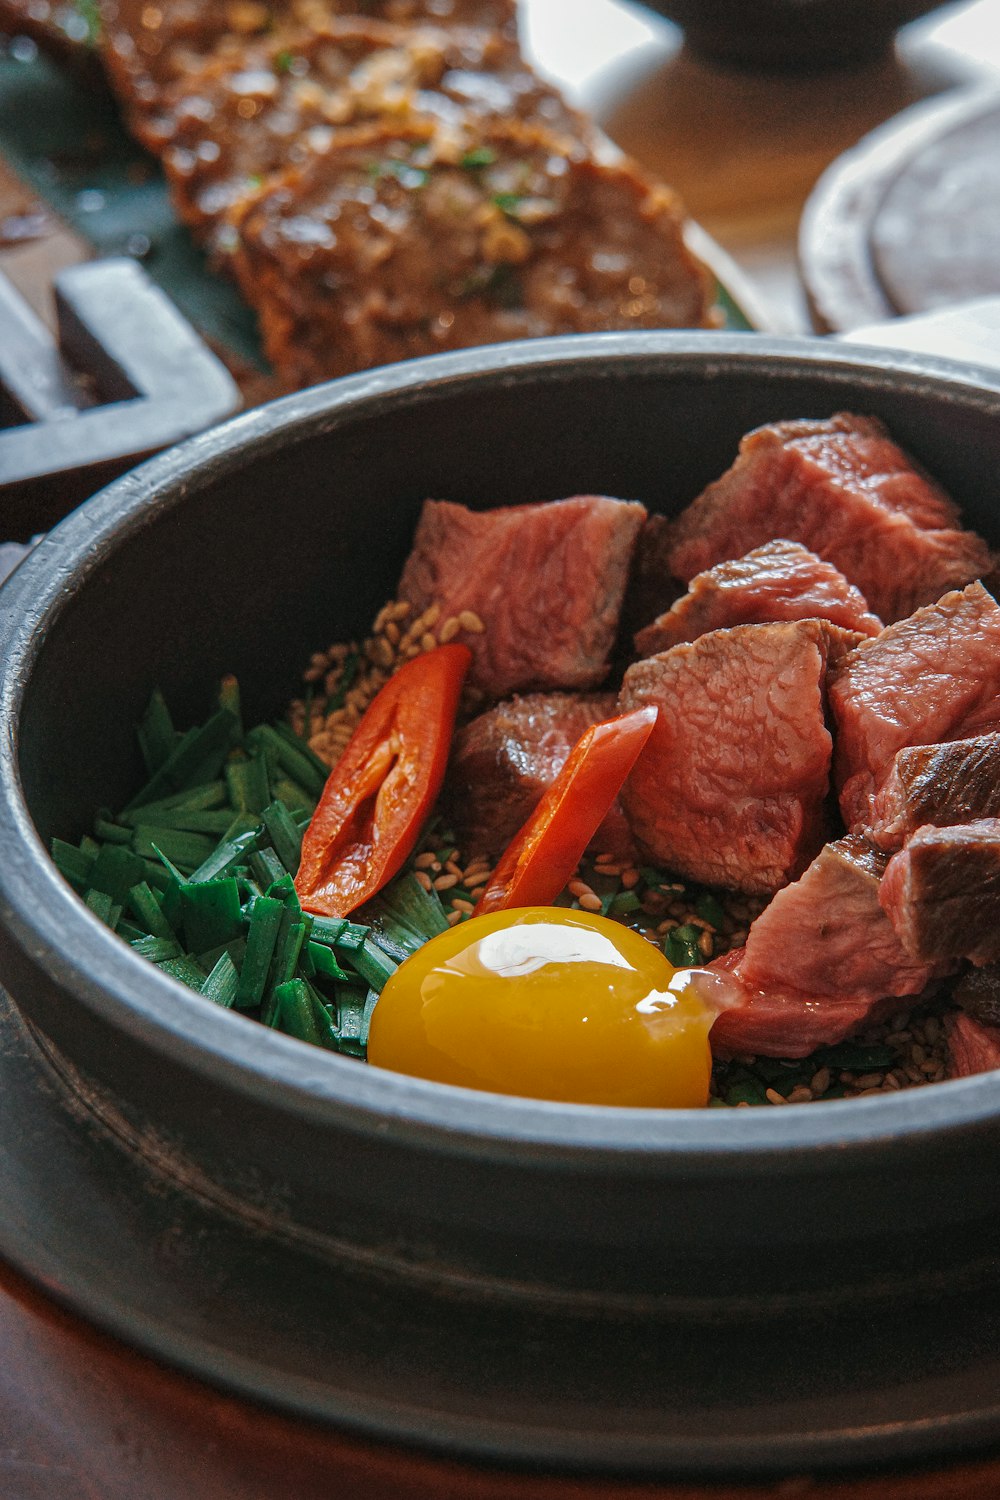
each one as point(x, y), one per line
point(547, 1003)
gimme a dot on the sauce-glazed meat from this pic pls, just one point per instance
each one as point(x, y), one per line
point(938, 785)
point(820, 961)
point(148, 48)
point(934, 676)
point(730, 787)
point(778, 581)
point(844, 489)
point(942, 892)
point(546, 581)
point(401, 242)
point(224, 129)
point(504, 760)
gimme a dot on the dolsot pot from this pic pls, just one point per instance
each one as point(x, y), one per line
point(624, 1290)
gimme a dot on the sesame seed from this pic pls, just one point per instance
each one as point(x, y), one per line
point(773, 1097)
point(591, 902)
point(445, 882)
point(449, 630)
point(424, 879)
point(471, 622)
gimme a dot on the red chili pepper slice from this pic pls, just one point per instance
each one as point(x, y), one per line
point(384, 785)
point(540, 859)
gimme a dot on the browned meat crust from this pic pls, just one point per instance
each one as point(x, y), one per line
point(147, 48)
point(938, 785)
point(238, 120)
point(396, 243)
point(942, 892)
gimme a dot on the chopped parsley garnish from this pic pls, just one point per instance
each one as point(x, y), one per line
point(479, 156)
point(508, 203)
point(284, 60)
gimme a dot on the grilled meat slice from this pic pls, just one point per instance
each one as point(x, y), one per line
point(225, 129)
point(398, 242)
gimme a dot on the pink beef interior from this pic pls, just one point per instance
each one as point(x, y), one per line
point(779, 581)
point(932, 677)
point(973, 1047)
point(729, 789)
point(844, 489)
point(547, 581)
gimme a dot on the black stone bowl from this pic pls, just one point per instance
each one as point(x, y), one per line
point(791, 35)
point(581, 1287)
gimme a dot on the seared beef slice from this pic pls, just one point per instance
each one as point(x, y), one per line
point(402, 240)
point(932, 677)
point(942, 892)
point(938, 785)
point(819, 960)
point(729, 789)
point(246, 116)
point(547, 581)
point(843, 488)
point(504, 760)
point(779, 581)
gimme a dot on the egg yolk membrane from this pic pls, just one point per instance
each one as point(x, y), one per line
point(547, 1003)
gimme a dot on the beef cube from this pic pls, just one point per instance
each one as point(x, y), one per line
point(402, 240)
point(932, 677)
point(504, 760)
point(779, 581)
point(729, 789)
point(973, 1046)
point(242, 118)
point(843, 488)
point(942, 892)
point(821, 961)
point(938, 785)
point(779, 1022)
point(547, 582)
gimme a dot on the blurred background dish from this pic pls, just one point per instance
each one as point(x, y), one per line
point(812, 35)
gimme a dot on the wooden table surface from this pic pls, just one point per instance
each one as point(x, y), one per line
point(82, 1416)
